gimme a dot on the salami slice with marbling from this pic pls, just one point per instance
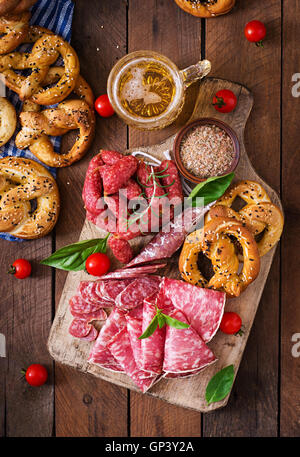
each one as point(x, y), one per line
point(134, 320)
point(79, 328)
point(120, 347)
point(152, 348)
point(135, 293)
point(203, 308)
point(185, 351)
point(79, 305)
point(100, 354)
point(137, 272)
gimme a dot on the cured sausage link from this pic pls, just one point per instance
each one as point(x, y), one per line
point(170, 238)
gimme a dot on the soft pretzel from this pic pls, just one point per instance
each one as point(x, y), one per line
point(44, 53)
point(69, 115)
point(214, 242)
point(14, 30)
point(206, 8)
point(8, 120)
point(260, 215)
point(22, 181)
point(15, 6)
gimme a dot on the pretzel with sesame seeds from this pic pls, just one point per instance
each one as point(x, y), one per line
point(23, 181)
point(260, 215)
point(214, 241)
point(69, 115)
point(206, 8)
point(44, 53)
point(15, 6)
point(14, 30)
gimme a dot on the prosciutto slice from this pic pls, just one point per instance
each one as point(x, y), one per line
point(121, 349)
point(203, 308)
point(100, 353)
point(185, 351)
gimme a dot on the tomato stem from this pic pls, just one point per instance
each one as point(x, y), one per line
point(259, 44)
point(11, 270)
point(220, 102)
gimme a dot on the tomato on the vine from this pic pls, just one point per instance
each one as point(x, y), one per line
point(36, 375)
point(224, 101)
point(255, 32)
point(231, 323)
point(21, 268)
point(103, 106)
point(97, 264)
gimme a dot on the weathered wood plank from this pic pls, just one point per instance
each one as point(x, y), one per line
point(84, 404)
point(253, 408)
point(290, 276)
point(161, 26)
point(25, 320)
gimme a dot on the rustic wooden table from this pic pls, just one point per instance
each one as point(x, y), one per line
point(266, 396)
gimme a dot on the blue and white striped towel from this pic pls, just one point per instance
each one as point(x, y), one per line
point(55, 15)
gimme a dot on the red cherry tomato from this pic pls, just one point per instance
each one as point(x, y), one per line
point(21, 268)
point(224, 101)
point(36, 375)
point(97, 264)
point(103, 106)
point(231, 323)
point(255, 31)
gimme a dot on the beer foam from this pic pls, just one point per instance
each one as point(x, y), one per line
point(134, 89)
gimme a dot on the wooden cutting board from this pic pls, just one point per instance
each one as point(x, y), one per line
point(189, 392)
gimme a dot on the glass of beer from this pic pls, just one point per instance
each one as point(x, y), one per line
point(147, 90)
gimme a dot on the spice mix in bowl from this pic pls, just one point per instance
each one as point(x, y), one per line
point(204, 148)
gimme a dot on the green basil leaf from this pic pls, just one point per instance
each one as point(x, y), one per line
point(220, 384)
point(73, 256)
point(175, 323)
point(211, 189)
point(150, 329)
point(161, 320)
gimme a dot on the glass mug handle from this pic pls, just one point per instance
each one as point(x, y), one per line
point(195, 72)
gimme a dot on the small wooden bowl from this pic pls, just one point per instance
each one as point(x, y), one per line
point(204, 121)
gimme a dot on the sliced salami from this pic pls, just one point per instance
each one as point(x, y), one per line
point(134, 327)
point(99, 315)
point(79, 328)
point(203, 308)
point(88, 290)
point(152, 348)
point(135, 293)
point(92, 336)
point(111, 288)
point(120, 348)
point(125, 273)
point(185, 351)
point(100, 354)
point(80, 306)
point(165, 243)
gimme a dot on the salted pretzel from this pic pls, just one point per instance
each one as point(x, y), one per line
point(69, 115)
point(15, 6)
point(44, 53)
point(213, 240)
point(8, 121)
point(14, 30)
point(260, 215)
point(22, 182)
point(206, 8)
